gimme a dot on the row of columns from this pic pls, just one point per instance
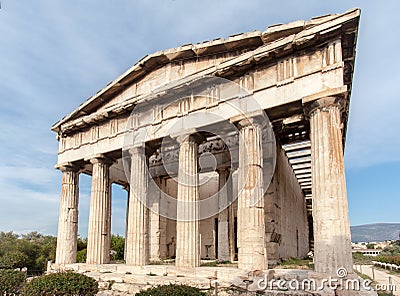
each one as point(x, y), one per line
point(331, 224)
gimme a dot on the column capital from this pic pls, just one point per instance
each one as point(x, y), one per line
point(139, 149)
point(67, 167)
point(223, 170)
point(101, 159)
point(324, 104)
point(194, 137)
point(251, 121)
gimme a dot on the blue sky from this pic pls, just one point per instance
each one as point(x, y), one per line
point(55, 54)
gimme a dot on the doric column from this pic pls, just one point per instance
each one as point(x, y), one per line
point(68, 219)
point(157, 223)
point(332, 239)
point(232, 236)
point(126, 187)
point(223, 216)
point(99, 233)
point(232, 187)
point(163, 220)
point(251, 221)
point(187, 225)
point(137, 247)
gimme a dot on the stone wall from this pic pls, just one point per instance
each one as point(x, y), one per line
point(285, 214)
point(207, 226)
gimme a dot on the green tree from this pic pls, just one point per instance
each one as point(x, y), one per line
point(13, 259)
point(31, 250)
point(81, 256)
point(370, 246)
point(392, 250)
point(7, 242)
point(118, 246)
point(33, 237)
point(82, 243)
point(47, 251)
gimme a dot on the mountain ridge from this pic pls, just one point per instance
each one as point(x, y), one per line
point(375, 232)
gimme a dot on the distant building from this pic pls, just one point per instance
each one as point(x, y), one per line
point(368, 252)
point(359, 246)
point(382, 245)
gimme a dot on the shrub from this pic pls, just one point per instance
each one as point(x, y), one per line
point(63, 283)
point(389, 259)
point(360, 258)
point(81, 256)
point(11, 281)
point(12, 260)
point(172, 290)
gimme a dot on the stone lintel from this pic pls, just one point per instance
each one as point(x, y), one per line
point(293, 119)
point(331, 92)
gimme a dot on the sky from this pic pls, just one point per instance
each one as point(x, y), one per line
point(55, 54)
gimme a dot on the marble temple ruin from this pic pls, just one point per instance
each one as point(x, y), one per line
point(230, 149)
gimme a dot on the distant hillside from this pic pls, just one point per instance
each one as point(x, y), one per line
point(375, 232)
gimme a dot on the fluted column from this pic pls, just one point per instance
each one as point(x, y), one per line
point(137, 247)
point(68, 219)
point(163, 220)
point(232, 213)
point(332, 238)
point(157, 223)
point(187, 225)
point(126, 187)
point(251, 221)
point(99, 233)
point(223, 217)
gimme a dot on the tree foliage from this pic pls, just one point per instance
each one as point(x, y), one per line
point(118, 247)
point(13, 259)
point(11, 282)
point(389, 259)
point(370, 246)
point(31, 250)
point(60, 284)
point(392, 250)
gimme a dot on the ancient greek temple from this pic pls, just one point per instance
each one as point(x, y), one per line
point(230, 149)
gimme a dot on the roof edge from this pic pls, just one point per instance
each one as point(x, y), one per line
point(271, 34)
